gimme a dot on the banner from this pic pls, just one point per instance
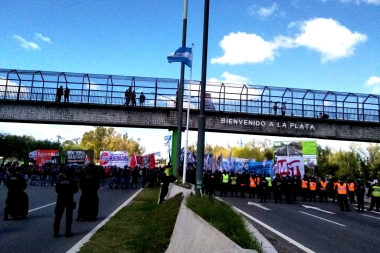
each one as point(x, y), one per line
point(114, 158)
point(292, 165)
point(307, 150)
point(261, 168)
point(147, 161)
point(33, 155)
point(47, 156)
point(79, 157)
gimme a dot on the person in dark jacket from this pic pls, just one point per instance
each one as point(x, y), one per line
point(17, 202)
point(288, 188)
point(360, 191)
point(89, 200)
point(65, 188)
point(264, 189)
point(277, 189)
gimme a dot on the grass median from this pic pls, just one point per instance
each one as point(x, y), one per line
point(143, 226)
point(225, 219)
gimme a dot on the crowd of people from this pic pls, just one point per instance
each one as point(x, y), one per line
point(67, 180)
point(288, 189)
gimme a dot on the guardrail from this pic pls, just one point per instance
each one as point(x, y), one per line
point(42, 86)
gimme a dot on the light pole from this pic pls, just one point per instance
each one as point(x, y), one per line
point(180, 92)
point(202, 118)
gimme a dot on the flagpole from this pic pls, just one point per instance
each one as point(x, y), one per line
point(187, 120)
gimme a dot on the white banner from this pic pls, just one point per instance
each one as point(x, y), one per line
point(292, 165)
point(114, 158)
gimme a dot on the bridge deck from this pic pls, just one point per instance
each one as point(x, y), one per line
point(41, 86)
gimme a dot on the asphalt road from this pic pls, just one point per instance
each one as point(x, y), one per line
point(324, 230)
point(35, 233)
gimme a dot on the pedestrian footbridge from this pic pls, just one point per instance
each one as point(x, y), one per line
point(99, 100)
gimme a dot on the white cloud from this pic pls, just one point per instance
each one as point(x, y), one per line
point(44, 39)
point(231, 78)
point(242, 48)
point(326, 36)
point(233, 87)
point(28, 45)
point(12, 89)
point(374, 2)
point(374, 83)
point(263, 12)
point(329, 37)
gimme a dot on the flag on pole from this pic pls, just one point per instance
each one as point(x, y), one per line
point(183, 54)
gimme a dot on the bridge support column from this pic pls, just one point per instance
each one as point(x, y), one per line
point(174, 153)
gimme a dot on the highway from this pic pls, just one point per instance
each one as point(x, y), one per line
point(35, 233)
point(312, 226)
point(298, 227)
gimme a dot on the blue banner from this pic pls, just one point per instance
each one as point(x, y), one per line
point(259, 168)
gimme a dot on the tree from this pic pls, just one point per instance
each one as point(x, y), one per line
point(102, 138)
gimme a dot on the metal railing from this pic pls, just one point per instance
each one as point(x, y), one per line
point(27, 85)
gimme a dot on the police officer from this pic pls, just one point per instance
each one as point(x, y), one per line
point(263, 189)
point(351, 191)
point(277, 189)
point(89, 200)
point(225, 178)
point(305, 187)
point(65, 188)
point(312, 189)
point(322, 187)
point(342, 189)
point(375, 200)
point(360, 191)
point(16, 204)
point(288, 189)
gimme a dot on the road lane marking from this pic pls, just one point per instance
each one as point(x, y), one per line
point(31, 210)
point(290, 240)
point(371, 216)
point(317, 208)
point(258, 205)
point(324, 219)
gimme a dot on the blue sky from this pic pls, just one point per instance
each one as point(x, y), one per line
point(311, 44)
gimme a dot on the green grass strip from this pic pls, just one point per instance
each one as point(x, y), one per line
point(143, 226)
point(225, 219)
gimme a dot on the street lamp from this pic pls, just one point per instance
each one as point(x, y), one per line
point(202, 118)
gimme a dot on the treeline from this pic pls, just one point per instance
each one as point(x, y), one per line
point(101, 138)
point(356, 162)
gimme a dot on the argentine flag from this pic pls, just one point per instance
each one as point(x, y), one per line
point(183, 54)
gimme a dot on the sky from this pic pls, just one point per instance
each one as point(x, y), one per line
point(331, 45)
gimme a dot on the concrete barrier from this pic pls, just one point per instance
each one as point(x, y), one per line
point(194, 235)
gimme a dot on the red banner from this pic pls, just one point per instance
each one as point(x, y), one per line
point(147, 161)
point(46, 156)
point(293, 166)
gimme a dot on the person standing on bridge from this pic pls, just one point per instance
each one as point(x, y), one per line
point(59, 94)
point(65, 188)
point(133, 98)
point(128, 95)
point(142, 99)
point(275, 107)
point(67, 94)
point(283, 109)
